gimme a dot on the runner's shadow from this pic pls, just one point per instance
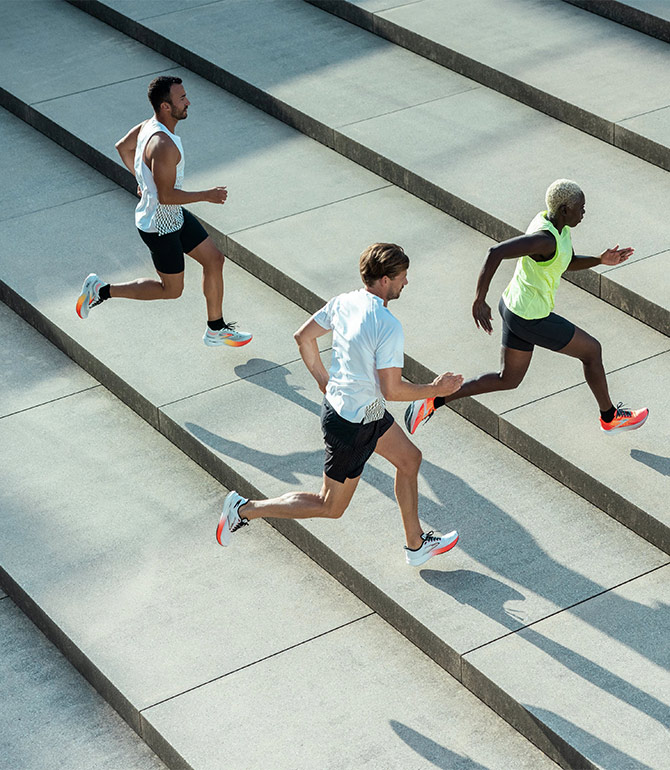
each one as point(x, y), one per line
point(436, 754)
point(489, 596)
point(274, 379)
point(601, 753)
point(283, 467)
point(656, 462)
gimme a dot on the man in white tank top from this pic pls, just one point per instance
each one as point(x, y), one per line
point(366, 369)
point(154, 154)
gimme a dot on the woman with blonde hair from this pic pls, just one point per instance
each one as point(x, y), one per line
point(544, 253)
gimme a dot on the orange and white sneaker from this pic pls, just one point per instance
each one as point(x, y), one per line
point(229, 335)
point(625, 419)
point(418, 412)
point(230, 520)
point(90, 295)
point(431, 546)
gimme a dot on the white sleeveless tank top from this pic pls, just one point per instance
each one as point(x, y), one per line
point(150, 215)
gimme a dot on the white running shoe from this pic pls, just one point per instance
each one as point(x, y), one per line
point(230, 520)
point(90, 295)
point(430, 547)
point(229, 335)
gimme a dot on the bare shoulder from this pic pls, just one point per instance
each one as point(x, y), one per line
point(161, 147)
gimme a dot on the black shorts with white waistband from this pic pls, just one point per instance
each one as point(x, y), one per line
point(349, 445)
point(552, 332)
point(167, 251)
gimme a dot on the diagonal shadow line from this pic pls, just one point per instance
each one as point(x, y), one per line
point(435, 753)
point(656, 462)
point(549, 577)
point(603, 753)
point(489, 596)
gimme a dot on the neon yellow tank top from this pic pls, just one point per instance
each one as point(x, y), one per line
point(530, 294)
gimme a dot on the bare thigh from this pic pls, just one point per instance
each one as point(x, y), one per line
point(207, 254)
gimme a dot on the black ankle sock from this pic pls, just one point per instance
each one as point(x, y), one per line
point(438, 401)
point(104, 292)
point(215, 326)
point(608, 414)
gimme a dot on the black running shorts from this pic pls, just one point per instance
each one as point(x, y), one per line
point(349, 445)
point(167, 251)
point(552, 331)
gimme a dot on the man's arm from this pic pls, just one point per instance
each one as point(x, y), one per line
point(611, 257)
point(394, 388)
point(126, 147)
point(306, 337)
point(163, 157)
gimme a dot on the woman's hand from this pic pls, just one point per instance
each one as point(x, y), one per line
point(481, 312)
point(615, 256)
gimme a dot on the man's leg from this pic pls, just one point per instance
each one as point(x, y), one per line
point(168, 286)
point(211, 260)
point(330, 503)
point(395, 447)
point(588, 350)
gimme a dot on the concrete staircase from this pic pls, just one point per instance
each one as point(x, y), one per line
point(649, 16)
point(579, 598)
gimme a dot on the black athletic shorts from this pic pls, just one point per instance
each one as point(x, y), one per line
point(552, 332)
point(167, 251)
point(349, 445)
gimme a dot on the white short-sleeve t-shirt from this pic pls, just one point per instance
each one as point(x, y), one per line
point(366, 337)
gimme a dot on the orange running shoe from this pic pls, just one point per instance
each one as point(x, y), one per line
point(418, 412)
point(625, 419)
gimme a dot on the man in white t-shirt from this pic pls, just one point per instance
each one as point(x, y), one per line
point(366, 369)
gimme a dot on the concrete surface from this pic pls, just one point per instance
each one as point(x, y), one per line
point(568, 671)
point(427, 149)
point(33, 371)
point(351, 707)
point(601, 465)
point(31, 42)
point(649, 16)
point(522, 533)
point(50, 716)
point(131, 585)
point(117, 548)
point(37, 180)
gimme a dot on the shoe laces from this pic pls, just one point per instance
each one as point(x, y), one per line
point(239, 523)
point(429, 537)
point(621, 410)
point(230, 326)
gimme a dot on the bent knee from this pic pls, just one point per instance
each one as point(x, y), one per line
point(510, 381)
point(594, 352)
point(411, 462)
point(172, 292)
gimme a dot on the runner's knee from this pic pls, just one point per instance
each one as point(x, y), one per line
point(410, 461)
point(173, 291)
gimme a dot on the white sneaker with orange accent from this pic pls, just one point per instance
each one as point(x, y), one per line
point(431, 546)
point(419, 412)
point(625, 419)
point(229, 335)
point(90, 295)
point(230, 520)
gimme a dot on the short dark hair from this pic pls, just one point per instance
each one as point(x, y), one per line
point(159, 90)
point(382, 259)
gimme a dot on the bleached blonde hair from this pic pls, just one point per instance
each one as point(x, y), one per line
point(562, 191)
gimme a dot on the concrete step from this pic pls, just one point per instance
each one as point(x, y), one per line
point(649, 16)
point(253, 657)
point(50, 716)
point(441, 136)
point(500, 46)
point(277, 237)
point(527, 548)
